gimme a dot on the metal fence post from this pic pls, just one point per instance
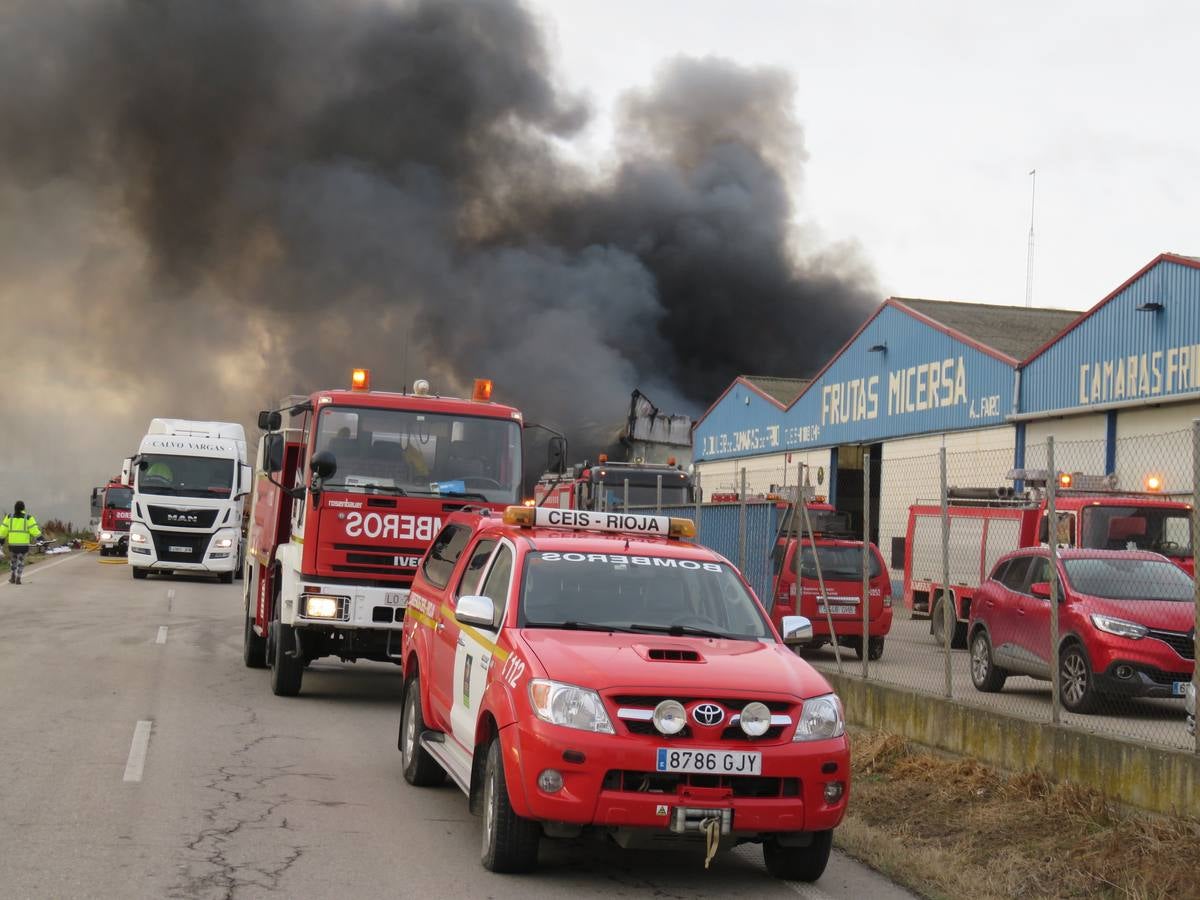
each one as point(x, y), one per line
point(1052, 540)
point(626, 500)
point(742, 525)
point(697, 493)
point(949, 613)
point(1195, 561)
point(866, 565)
point(657, 495)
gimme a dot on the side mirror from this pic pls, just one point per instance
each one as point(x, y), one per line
point(1040, 589)
point(556, 455)
point(796, 630)
point(245, 479)
point(477, 611)
point(269, 420)
point(272, 453)
point(323, 465)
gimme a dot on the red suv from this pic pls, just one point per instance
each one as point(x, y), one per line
point(1126, 621)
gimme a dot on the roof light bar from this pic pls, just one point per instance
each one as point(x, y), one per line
point(663, 526)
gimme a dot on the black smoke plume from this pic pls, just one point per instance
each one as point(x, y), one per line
point(208, 205)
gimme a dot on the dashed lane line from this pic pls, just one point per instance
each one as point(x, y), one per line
point(162, 635)
point(137, 750)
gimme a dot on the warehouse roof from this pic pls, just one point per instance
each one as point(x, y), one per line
point(1014, 331)
point(784, 390)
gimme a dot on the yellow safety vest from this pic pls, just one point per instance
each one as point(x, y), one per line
point(18, 530)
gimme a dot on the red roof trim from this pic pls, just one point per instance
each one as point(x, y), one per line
point(957, 335)
point(1161, 258)
point(742, 381)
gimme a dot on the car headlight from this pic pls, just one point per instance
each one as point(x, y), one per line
point(138, 538)
point(821, 718)
point(755, 719)
point(568, 705)
point(223, 543)
point(670, 717)
point(1119, 627)
point(318, 607)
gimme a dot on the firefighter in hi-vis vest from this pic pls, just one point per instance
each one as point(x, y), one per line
point(19, 530)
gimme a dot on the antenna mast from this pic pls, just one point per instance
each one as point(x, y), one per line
point(1029, 258)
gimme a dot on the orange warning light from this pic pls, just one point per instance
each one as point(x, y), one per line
point(360, 380)
point(483, 390)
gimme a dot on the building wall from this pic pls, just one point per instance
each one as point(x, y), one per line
point(1079, 443)
point(762, 472)
point(1156, 440)
point(912, 472)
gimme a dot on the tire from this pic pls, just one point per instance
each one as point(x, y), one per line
point(420, 769)
point(510, 843)
point(1076, 684)
point(799, 863)
point(254, 647)
point(985, 674)
point(286, 671)
point(225, 577)
point(138, 572)
point(875, 648)
point(937, 627)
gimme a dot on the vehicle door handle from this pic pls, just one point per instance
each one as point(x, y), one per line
point(441, 626)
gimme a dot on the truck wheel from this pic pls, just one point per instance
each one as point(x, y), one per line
point(138, 571)
point(1076, 687)
point(798, 863)
point(225, 577)
point(254, 647)
point(984, 673)
point(420, 769)
point(510, 843)
point(287, 671)
point(937, 627)
point(874, 648)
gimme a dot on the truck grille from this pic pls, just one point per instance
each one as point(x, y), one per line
point(669, 783)
point(181, 518)
point(1182, 642)
point(172, 546)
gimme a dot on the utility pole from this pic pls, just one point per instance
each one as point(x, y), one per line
point(1029, 258)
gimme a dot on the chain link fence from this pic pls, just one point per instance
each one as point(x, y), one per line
point(1060, 591)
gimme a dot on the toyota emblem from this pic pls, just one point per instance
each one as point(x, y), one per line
point(708, 714)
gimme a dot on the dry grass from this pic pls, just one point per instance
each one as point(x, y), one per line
point(950, 827)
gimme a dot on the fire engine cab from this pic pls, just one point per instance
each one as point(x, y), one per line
point(986, 523)
point(615, 485)
point(577, 671)
point(349, 494)
point(113, 529)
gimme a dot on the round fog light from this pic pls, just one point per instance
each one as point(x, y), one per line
point(756, 719)
point(670, 717)
point(833, 791)
point(550, 781)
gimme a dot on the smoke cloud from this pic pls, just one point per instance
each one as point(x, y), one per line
point(207, 206)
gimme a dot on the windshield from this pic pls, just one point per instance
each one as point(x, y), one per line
point(609, 591)
point(118, 498)
point(1129, 579)
point(185, 476)
point(821, 520)
point(1163, 530)
point(425, 454)
point(674, 493)
point(837, 563)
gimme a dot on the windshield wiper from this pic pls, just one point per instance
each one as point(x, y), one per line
point(385, 488)
point(467, 494)
point(576, 626)
point(689, 631)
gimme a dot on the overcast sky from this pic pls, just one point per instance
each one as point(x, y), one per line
point(923, 119)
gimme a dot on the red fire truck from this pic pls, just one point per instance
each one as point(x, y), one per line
point(113, 530)
point(348, 497)
point(987, 523)
point(603, 486)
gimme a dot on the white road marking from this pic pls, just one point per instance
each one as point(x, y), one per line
point(137, 751)
point(33, 572)
point(170, 593)
point(162, 635)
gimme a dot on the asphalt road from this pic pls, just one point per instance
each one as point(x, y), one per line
point(911, 659)
point(240, 794)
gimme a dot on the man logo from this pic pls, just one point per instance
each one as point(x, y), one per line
point(708, 714)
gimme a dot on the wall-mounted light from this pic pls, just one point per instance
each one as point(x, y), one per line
point(878, 348)
point(1152, 306)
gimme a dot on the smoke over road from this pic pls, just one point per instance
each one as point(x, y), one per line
point(204, 206)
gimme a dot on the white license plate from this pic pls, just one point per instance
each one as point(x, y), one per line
point(709, 762)
point(838, 610)
point(1178, 688)
point(180, 549)
point(395, 598)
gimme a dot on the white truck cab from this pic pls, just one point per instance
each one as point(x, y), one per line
point(190, 481)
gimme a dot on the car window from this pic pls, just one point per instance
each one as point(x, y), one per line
point(495, 585)
point(1001, 568)
point(444, 553)
point(1014, 575)
point(1039, 570)
point(469, 582)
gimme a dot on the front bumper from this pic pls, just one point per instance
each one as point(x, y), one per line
point(616, 785)
point(1154, 666)
point(1124, 678)
point(209, 559)
point(359, 606)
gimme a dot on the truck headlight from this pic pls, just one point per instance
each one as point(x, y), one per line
point(568, 705)
point(756, 719)
point(318, 607)
point(821, 718)
point(1119, 627)
point(138, 538)
point(106, 535)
